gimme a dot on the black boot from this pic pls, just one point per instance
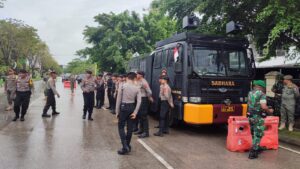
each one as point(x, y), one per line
point(253, 154)
point(125, 149)
point(159, 133)
point(144, 135)
point(55, 113)
point(84, 115)
point(15, 118)
point(46, 115)
point(129, 148)
point(138, 132)
point(90, 117)
point(22, 118)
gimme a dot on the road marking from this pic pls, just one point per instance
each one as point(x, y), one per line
point(289, 149)
point(158, 157)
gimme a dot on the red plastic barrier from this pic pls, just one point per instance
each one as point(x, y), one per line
point(270, 139)
point(67, 84)
point(239, 135)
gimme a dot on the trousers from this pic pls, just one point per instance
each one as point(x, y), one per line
point(51, 102)
point(257, 130)
point(124, 119)
point(89, 102)
point(143, 115)
point(164, 116)
point(22, 101)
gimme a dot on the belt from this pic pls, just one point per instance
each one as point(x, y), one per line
point(261, 114)
point(128, 103)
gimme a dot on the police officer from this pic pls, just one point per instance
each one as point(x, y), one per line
point(127, 107)
point(114, 92)
point(24, 85)
point(257, 107)
point(109, 91)
point(100, 92)
point(88, 86)
point(277, 89)
point(290, 93)
point(51, 92)
point(146, 94)
point(165, 96)
point(10, 88)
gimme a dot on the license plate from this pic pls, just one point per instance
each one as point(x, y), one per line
point(227, 109)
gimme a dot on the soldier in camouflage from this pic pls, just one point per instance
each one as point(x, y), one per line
point(290, 93)
point(257, 107)
point(277, 90)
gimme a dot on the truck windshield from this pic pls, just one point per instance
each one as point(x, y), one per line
point(212, 62)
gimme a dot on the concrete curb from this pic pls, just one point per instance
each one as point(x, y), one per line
point(288, 140)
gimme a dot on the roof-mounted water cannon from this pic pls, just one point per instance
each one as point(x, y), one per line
point(190, 22)
point(233, 28)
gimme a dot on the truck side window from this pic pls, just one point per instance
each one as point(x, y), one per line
point(158, 60)
point(170, 57)
point(165, 58)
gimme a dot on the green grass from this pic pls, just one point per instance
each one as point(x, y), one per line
point(294, 134)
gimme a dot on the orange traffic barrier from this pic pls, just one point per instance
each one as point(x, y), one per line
point(67, 84)
point(239, 134)
point(270, 138)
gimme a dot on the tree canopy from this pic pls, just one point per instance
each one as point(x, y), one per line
point(21, 46)
point(273, 24)
point(79, 66)
point(118, 36)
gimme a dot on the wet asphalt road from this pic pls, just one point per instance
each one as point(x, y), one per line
point(67, 141)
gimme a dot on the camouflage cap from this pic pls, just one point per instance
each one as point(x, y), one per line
point(288, 77)
point(259, 83)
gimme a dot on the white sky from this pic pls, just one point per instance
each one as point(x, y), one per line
point(60, 23)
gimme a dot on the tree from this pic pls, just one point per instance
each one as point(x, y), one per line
point(78, 66)
point(272, 23)
point(119, 36)
point(20, 43)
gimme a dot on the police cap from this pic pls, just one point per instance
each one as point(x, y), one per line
point(89, 72)
point(164, 77)
point(131, 75)
point(288, 77)
point(52, 72)
point(141, 73)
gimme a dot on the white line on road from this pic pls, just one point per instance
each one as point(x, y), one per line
point(158, 157)
point(289, 149)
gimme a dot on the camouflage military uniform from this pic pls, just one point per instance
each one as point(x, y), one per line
point(255, 116)
point(289, 94)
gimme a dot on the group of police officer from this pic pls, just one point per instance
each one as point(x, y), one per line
point(19, 88)
point(129, 97)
